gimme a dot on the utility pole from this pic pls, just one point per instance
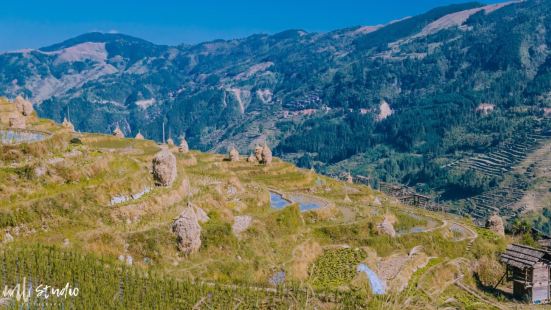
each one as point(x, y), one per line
point(163, 131)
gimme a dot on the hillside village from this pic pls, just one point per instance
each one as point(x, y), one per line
point(248, 230)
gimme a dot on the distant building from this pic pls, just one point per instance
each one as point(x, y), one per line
point(529, 269)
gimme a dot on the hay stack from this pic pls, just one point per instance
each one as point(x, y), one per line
point(240, 224)
point(495, 224)
point(202, 216)
point(258, 153)
point(118, 132)
point(349, 178)
point(387, 226)
point(7, 238)
point(17, 122)
point(183, 148)
point(266, 155)
point(67, 125)
point(188, 232)
point(234, 154)
point(24, 107)
point(164, 168)
point(7, 110)
point(139, 136)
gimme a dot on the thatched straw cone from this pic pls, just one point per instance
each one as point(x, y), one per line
point(118, 132)
point(234, 154)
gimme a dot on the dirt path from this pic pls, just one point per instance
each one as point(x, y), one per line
point(471, 236)
point(472, 233)
point(469, 290)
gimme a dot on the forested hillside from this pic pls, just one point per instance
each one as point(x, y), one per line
point(400, 103)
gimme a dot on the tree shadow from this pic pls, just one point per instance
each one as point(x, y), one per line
point(494, 291)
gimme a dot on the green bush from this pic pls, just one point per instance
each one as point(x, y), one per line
point(289, 218)
point(336, 267)
point(216, 233)
point(76, 141)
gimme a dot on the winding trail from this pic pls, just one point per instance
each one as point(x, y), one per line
point(469, 290)
point(473, 235)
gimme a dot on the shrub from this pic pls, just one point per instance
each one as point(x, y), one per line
point(217, 233)
point(336, 267)
point(76, 141)
point(289, 218)
point(489, 270)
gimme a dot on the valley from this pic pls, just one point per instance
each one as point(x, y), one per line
point(398, 166)
point(57, 209)
point(444, 101)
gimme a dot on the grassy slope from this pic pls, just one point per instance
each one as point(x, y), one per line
point(69, 206)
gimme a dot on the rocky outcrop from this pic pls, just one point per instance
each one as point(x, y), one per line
point(183, 148)
point(24, 107)
point(251, 158)
point(164, 168)
point(241, 223)
point(67, 125)
point(234, 154)
point(118, 132)
point(139, 136)
point(266, 155)
point(495, 224)
point(188, 232)
point(170, 142)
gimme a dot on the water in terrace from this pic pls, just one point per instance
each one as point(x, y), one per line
point(8, 136)
point(377, 285)
point(278, 202)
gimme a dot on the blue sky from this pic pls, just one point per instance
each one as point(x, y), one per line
point(34, 23)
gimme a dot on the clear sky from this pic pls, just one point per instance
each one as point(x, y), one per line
point(38, 23)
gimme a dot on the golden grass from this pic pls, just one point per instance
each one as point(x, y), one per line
point(303, 256)
point(73, 201)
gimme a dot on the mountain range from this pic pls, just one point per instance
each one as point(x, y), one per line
point(396, 102)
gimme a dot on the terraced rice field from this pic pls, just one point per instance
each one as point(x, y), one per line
point(502, 163)
point(16, 136)
point(502, 160)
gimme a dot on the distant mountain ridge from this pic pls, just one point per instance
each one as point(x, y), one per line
point(95, 37)
point(315, 96)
